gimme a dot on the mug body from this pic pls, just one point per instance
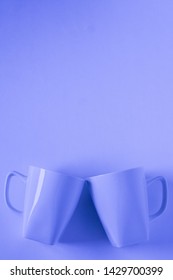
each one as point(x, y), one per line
point(50, 200)
point(121, 202)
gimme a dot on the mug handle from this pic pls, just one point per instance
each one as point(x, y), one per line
point(164, 196)
point(7, 188)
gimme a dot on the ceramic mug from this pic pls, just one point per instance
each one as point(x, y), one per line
point(122, 205)
point(50, 200)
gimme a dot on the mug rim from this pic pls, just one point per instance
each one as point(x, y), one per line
point(116, 172)
point(58, 172)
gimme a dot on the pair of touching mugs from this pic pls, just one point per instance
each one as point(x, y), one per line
point(120, 199)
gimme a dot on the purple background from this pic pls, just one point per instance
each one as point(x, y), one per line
point(86, 88)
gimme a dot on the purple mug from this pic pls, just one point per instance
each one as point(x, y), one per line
point(50, 200)
point(122, 205)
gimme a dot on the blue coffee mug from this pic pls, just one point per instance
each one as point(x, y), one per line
point(50, 200)
point(122, 204)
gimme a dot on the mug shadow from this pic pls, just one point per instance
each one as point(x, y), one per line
point(84, 225)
